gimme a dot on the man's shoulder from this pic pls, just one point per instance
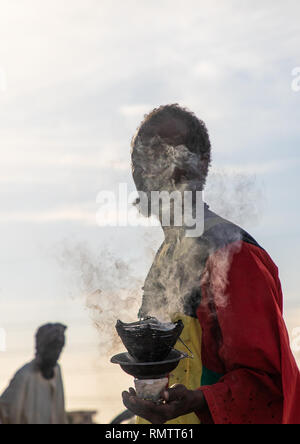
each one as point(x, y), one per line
point(220, 232)
point(23, 374)
point(27, 369)
point(243, 251)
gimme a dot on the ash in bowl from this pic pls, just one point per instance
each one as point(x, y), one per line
point(149, 340)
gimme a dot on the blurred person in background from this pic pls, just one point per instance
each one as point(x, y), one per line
point(35, 395)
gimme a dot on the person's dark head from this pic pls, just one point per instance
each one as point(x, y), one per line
point(50, 340)
point(173, 126)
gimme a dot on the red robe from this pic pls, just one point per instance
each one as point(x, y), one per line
point(245, 342)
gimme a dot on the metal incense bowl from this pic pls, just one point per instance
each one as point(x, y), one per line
point(149, 340)
point(149, 370)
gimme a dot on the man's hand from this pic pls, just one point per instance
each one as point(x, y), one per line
point(177, 401)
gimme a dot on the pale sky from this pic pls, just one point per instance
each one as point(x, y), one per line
point(76, 78)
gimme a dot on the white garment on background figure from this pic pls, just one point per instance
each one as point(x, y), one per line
point(32, 399)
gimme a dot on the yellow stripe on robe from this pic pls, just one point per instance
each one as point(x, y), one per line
point(189, 371)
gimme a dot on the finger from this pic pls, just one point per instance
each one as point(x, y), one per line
point(175, 386)
point(175, 393)
point(132, 391)
point(128, 401)
point(164, 394)
point(137, 405)
point(146, 409)
point(125, 396)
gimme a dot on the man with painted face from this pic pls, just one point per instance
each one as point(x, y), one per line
point(225, 288)
point(35, 395)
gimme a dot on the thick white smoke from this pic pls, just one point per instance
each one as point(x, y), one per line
point(108, 285)
point(111, 287)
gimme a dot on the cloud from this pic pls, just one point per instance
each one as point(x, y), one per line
point(66, 214)
point(135, 110)
point(262, 168)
